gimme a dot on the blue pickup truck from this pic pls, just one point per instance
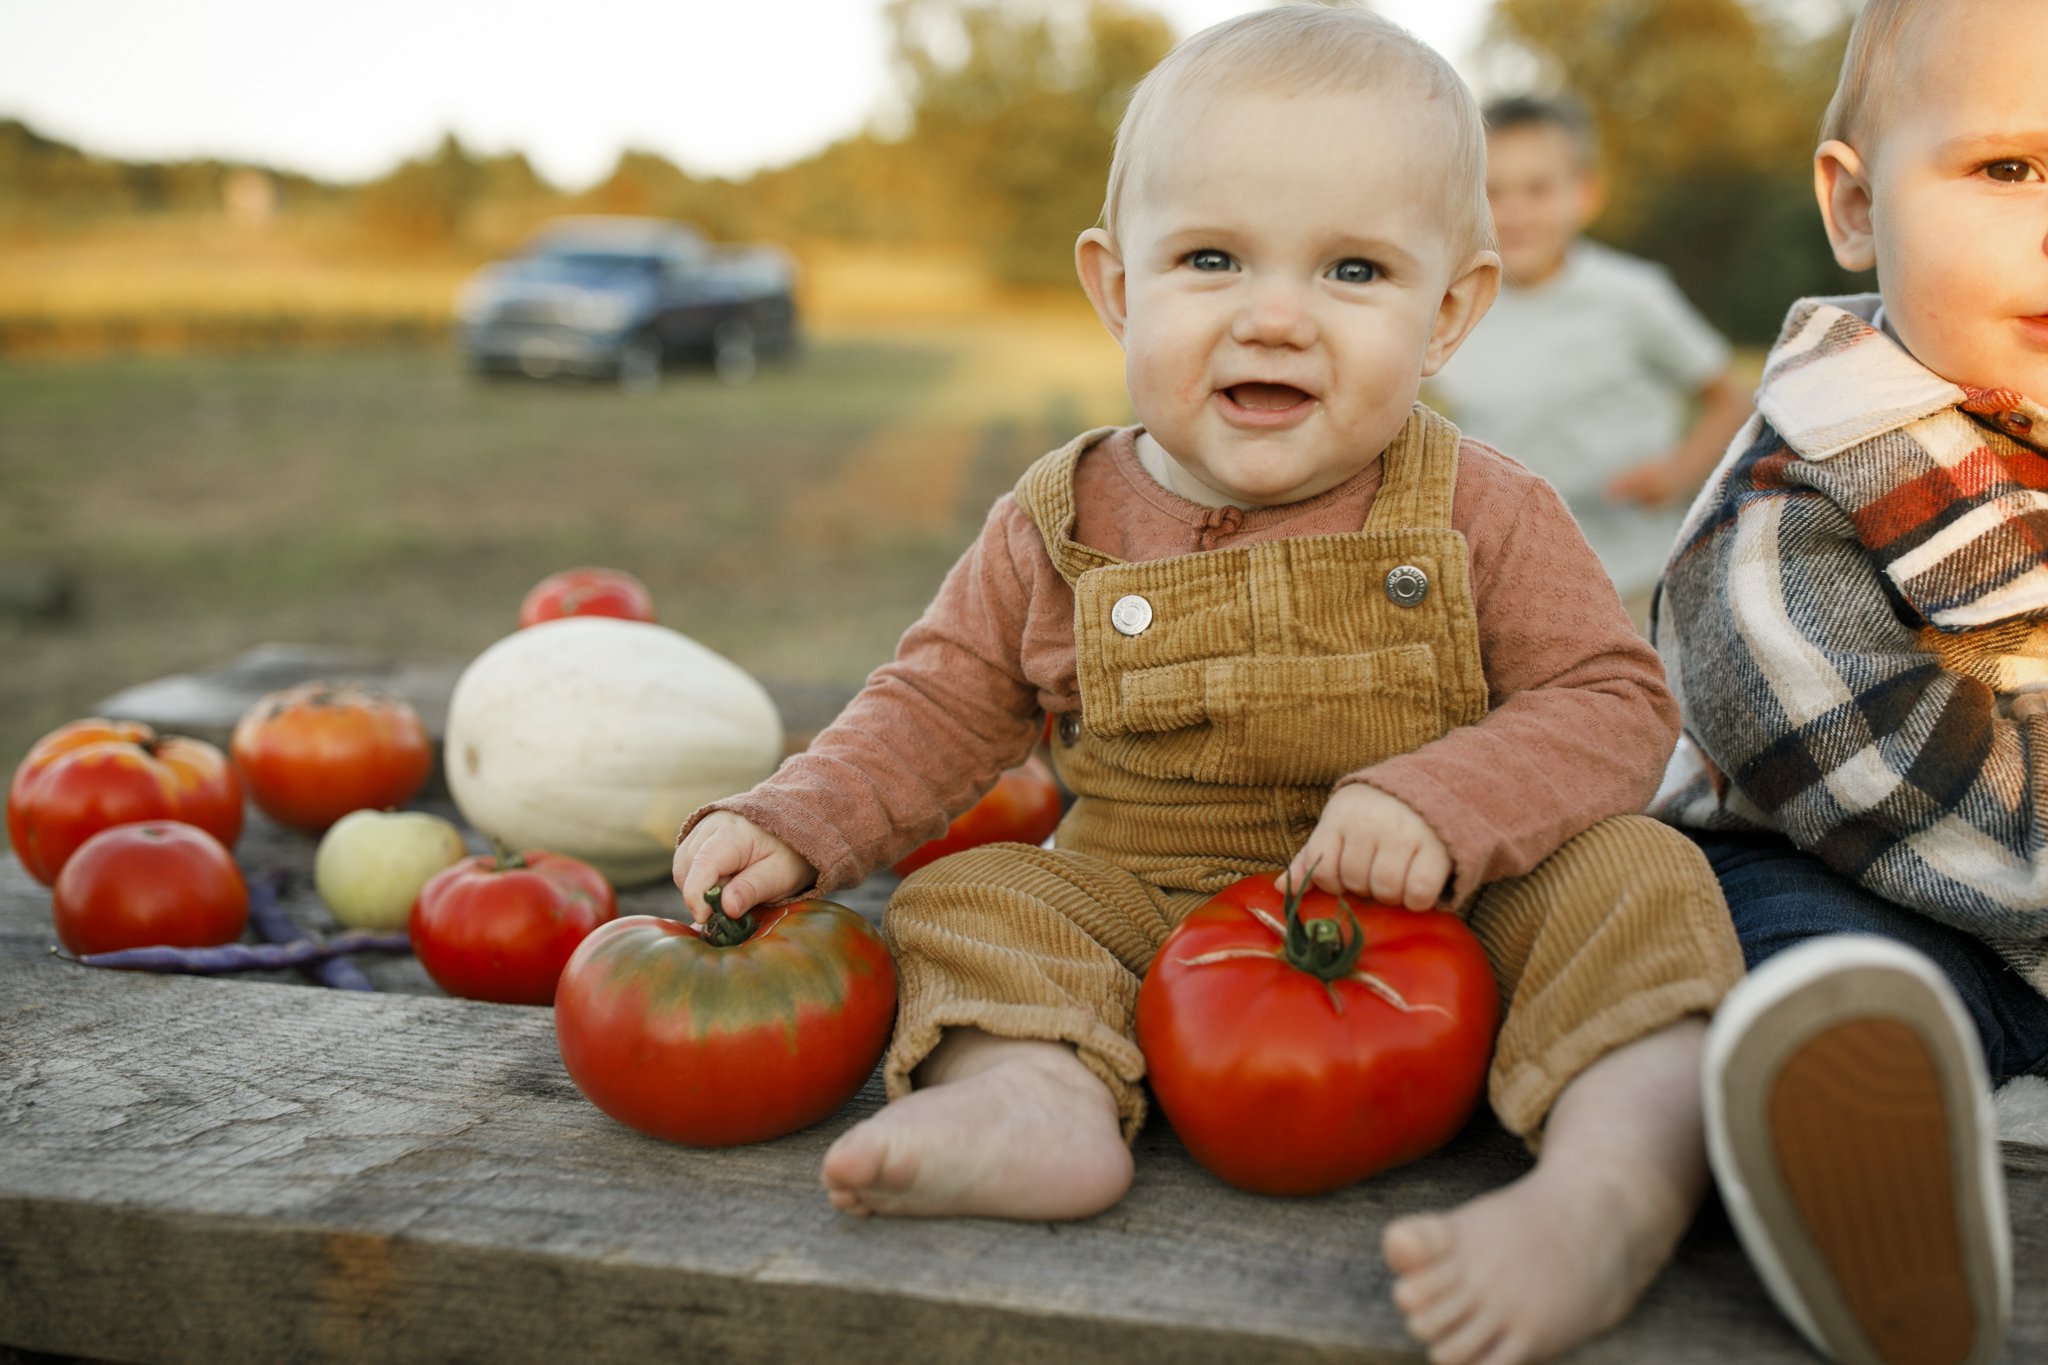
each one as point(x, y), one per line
point(623, 299)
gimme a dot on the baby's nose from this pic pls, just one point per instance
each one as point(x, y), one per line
point(1274, 315)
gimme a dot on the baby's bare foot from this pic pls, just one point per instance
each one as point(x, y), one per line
point(1031, 1134)
point(1531, 1270)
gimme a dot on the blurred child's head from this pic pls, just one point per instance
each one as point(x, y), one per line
point(1294, 235)
point(1542, 182)
point(1933, 169)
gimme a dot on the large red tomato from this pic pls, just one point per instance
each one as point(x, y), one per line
point(92, 774)
point(587, 592)
point(311, 754)
point(501, 927)
point(741, 1032)
point(1296, 1053)
point(1022, 808)
point(153, 882)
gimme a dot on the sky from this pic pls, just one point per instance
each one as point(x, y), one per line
point(345, 92)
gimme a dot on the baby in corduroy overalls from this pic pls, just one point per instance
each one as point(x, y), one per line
point(1290, 623)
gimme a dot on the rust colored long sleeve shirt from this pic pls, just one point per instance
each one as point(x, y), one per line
point(1579, 724)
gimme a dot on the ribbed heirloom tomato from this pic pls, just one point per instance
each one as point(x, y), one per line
point(501, 927)
point(1296, 1052)
point(742, 1032)
point(93, 774)
point(1023, 807)
point(313, 753)
point(587, 592)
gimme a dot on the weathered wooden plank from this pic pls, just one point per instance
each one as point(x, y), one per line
point(213, 1169)
point(204, 1170)
point(210, 1169)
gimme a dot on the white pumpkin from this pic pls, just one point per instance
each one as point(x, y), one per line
point(596, 737)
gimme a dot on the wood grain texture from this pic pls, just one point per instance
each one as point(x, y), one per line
point(210, 1169)
point(225, 1170)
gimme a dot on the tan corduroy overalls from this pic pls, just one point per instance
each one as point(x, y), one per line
point(1222, 694)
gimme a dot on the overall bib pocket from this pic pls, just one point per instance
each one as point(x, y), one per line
point(1286, 720)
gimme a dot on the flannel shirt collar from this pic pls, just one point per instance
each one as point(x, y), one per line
point(1836, 379)
point(1945, 486)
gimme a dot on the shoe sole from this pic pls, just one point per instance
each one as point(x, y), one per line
point(1849, 1124)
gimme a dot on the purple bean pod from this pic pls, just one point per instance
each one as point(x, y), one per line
point(243, 957)
point(274, 924)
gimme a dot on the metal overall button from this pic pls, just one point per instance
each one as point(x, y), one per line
point(1131, 614)
point(1407, 586)
point(1069, 727)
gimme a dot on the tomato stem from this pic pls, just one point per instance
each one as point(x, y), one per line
point(723, 930)
point(508, 861)
point(1320, 947)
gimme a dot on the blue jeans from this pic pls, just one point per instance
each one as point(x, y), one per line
point(1780, 896)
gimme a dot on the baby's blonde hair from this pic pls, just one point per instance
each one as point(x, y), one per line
point(1868, 67)
point(1313, 50)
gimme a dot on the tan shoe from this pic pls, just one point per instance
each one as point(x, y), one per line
point(1849, 1125)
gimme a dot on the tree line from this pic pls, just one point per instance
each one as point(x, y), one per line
point(1006, 110)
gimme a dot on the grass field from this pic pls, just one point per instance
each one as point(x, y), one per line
point(387, 500)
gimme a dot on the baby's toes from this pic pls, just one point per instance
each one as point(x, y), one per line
point(1415, 1244)
point(1468, 1341)
point(1450, 1312)
point(854, 1162)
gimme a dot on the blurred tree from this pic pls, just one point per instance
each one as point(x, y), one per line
point(1013, 108)
point(425, 202)
point(644, 182)
point(510, 175)
point(1707, 112)
point(44, 182)
point(866, 188)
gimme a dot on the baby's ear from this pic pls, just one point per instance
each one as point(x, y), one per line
point(1841, 182)
point(1465, 301)
point(1102, 278)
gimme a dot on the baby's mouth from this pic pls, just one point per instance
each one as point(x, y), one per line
point(1262, 397)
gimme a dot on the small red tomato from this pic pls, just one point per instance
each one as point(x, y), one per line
point(93, 774)
point(153, 882)
point(1022, 808)
point(1293, 1056)
point(502, 927)
point(311, 754)
point(739, 1032)
point(587, 592)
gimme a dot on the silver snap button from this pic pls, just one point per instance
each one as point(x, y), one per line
point(1131, 614)
point(1407, 586)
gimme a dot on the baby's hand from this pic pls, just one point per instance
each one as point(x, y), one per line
point(754, 865)
point(1369, 844)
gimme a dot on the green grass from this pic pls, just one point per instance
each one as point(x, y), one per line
point(388, 500)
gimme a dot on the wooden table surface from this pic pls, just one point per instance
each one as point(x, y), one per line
point(229, 1169)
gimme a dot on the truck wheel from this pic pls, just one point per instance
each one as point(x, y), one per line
point(733, 353)
point(640, 364)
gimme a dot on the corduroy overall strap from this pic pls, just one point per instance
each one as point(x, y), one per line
point(1222, 691)
point(1046, 492)
point(1418, 475)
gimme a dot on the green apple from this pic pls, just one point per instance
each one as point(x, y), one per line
point(371, 864)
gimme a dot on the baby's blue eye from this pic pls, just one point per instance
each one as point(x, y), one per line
point(1355, 271)
point(1208, 258)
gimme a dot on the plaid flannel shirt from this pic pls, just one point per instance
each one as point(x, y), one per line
point(1852, 619)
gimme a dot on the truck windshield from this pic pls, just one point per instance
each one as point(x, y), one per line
point(600, 261)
